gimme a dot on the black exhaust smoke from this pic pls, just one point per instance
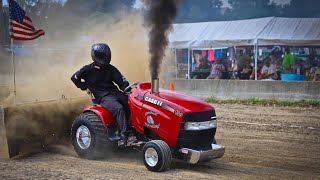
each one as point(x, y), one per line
point(158, 17)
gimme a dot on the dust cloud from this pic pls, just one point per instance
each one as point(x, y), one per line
point(37, 126)
point(128, 44)
point(44, 74)
point(47, 100)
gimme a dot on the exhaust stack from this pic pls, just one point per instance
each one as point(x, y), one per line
point(155, 86)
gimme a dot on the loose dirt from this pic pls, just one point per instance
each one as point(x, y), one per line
point(261, 143)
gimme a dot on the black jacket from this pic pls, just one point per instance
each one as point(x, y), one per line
point(99, 80)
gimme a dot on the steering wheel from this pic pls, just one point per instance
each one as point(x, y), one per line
point(126, 90)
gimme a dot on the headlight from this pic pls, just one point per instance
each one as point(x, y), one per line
point(195, 126)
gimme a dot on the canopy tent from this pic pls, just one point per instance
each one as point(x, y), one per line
point(250, 32)
point(184, 34)
point(261, 31)
point(291, 31)
point(231, 33)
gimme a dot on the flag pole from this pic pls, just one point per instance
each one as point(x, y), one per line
point(14, 73)
point(12, 60)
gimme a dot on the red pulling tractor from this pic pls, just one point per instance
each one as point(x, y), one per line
point(167, 124)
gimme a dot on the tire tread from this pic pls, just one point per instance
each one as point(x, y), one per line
point(165, 154)
point(101, 135)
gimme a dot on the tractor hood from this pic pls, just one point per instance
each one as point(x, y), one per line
point(186, 102)
point(172, 100)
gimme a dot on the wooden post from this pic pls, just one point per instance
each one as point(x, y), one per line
point(14, 73)
point(1, 25)
point(4, 151)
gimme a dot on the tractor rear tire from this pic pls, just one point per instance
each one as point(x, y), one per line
point(157, 156)
point(90, 124)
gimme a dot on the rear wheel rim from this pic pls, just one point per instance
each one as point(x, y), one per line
point(83, 137)
point(151, 157)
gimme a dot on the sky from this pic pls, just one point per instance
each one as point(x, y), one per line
point(282, 1)
point(5, 2)
point(226, 4)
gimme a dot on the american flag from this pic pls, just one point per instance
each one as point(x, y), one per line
point(21, 26)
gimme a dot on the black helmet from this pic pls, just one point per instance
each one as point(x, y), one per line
point(101, 53)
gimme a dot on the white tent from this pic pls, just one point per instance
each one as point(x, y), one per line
point(264, 31)
point(291, 31)
point(231, 33)
point(184, 34)
point(250, 32)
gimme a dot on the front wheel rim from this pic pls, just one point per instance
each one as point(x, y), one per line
point(83, 137)
point(151, 157)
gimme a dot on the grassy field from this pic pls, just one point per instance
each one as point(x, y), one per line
point(266, 102)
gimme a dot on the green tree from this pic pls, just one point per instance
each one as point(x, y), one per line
point(205, 10)
point(252, 9)
point(302, 9)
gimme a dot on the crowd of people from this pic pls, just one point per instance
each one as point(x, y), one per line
point(241, 65)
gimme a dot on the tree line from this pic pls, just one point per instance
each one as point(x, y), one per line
point(188, 10)
point(53, 15)
point(213, 10)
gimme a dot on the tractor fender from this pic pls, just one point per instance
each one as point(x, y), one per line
point(104, 115)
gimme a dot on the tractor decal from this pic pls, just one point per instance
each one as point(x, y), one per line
point(153, 101)
point(150, 121)
point(163, 105)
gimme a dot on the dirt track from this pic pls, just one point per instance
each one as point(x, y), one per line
point(261, 143)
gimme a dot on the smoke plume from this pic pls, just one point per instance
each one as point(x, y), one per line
point(158, 17)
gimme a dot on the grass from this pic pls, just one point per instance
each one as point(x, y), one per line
point(265, 102)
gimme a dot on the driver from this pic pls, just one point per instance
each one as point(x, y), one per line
point(99, 79)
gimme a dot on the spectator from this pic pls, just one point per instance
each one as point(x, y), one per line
point(312, 58)
point(269, 71)
point(314, 73)
point(277, 64)
point(228, 68)
point(300, 67)
point(247, 71)
point(259, 74)
point(317, 75)
point(241, 61)
point(288, 61)
point(217, 70)
point(202, 71)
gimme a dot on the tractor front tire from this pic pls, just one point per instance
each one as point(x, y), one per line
point(157, 156)
point(89, 136)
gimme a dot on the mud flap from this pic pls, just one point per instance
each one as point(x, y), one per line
point(4, 151)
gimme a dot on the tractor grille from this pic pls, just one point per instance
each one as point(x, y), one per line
point(197, 140)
